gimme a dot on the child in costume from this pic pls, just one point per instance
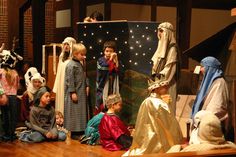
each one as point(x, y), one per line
point(75, 109)
point(156, 128)
point(114, 134)
point(107, 81)
point(42, 120)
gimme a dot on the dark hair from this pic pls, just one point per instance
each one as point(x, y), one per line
point(109, 44)
point(97, 15)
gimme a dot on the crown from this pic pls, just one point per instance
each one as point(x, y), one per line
point(157, 83)
point(112, 99)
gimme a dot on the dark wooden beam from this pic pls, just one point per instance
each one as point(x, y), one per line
point(79, 13)
point(201, 4)
point(38, 23)
point(148, 2)
point(82, 10)
point(153, 10)
point(183, 28)
point(214, 4)
point(107, 10)
point(61, 5)
point(93, 2)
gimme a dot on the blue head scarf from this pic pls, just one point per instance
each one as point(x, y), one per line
point(212, 71)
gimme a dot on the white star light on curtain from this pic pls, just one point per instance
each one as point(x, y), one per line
point(136, 43)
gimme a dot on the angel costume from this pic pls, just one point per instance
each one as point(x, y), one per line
point(165, 59)
point(58, 87)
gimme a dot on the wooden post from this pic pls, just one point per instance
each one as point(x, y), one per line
point(153, 10)
point(184, 11)
point(79, 13)
point(82, 10)
point(234, 112)
point(107, 10)
point(38, 23)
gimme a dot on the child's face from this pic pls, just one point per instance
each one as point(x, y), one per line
point(45, 99)
point(162, 90)
point(59, 120)
point(202, 70)
point(37, 83)
point(107, 52)
point(117, 107)
point(159, 33)
point(66, 47)
point(80, 55)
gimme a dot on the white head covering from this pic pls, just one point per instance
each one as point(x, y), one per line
point(166, 39)
point(210, 130)
point(196, 121)
point(33, 74)
point(71, 41)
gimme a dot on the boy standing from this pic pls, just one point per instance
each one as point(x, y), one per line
point(75, 109)
point(107, 81)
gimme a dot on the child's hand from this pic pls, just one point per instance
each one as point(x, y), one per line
point(49, 135)
point(74, 97)
point(87, 91)
point(113, 56)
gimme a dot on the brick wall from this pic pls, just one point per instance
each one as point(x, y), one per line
point(3, 23)
point(49, 21)
point(28, 54)
point(49, 29)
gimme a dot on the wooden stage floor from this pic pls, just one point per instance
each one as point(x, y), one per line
point(69, 148)
point(72, 148)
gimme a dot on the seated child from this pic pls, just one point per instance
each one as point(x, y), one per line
point(114, 135)
point(92, 135)
point(33, 81)
point(209, 135)
point(156, 128)
point(62, 132)
point(42, 119)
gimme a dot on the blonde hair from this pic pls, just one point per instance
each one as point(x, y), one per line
point(113, 99)
point(59, 114)
point(10, 76)
point(78, 48)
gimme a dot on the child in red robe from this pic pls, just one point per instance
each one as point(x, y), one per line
point(114, 135)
